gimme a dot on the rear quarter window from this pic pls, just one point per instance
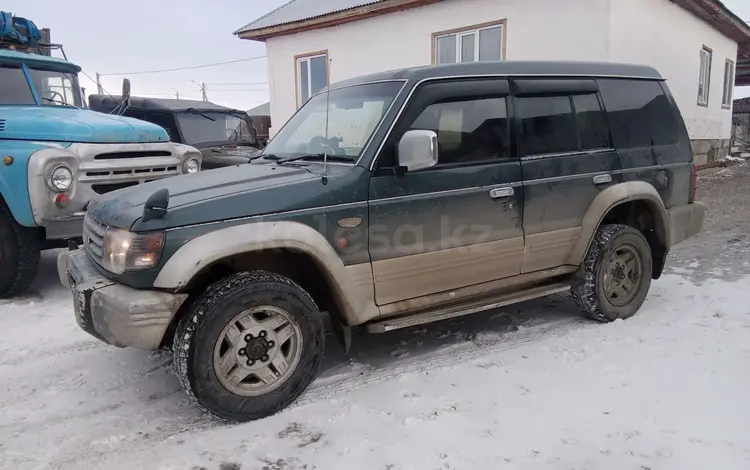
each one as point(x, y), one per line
point(640, 114)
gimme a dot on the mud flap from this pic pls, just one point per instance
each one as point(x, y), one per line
point(343, 333)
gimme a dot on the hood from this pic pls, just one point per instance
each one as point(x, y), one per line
point(65, 124)
point(225, 193)
point(217, 156)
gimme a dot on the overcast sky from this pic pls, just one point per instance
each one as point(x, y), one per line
point(143, 35)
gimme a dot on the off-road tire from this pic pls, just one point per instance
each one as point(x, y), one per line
point(198, 331)
point(588, 291)
point(19, 254)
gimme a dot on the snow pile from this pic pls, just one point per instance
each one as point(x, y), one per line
point(542, 388)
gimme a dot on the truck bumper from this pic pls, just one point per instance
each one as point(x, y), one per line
point(685, 221)
point(112, 312)
point(64, 228)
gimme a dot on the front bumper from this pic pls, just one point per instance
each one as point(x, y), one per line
point(112, 312)
point(685, 221)
point(64, 227)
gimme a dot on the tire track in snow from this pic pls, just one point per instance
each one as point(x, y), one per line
point(169, 426)
point(446, 357)
point(28, 355)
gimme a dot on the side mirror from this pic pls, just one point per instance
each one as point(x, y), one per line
point(418, 150)
point(125, 89)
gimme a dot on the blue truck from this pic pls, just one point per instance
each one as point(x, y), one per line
point(56, 155)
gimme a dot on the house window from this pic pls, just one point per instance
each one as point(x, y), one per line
point(312, 75)
point(471, 44)
point(726, 100)
point(704, 79)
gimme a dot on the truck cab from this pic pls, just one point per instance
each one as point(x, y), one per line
point(56, 156)
point(225, 136)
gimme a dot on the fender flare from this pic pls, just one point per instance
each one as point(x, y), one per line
point(612, 197)
point(203, 251)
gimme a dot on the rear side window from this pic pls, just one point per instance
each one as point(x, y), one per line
point(562, 124)
point(14, 89)
point(548, 124)
point(640, 115)
point(591, 123)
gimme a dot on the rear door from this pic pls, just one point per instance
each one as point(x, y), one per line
point(566, 160)
point(459, 222)
point(650, 136)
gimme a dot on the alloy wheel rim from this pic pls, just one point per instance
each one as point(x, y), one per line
point(622, 275)
point(257, 351)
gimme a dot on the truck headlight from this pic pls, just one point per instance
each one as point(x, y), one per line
point(191, 165)
point(127, 251)
point(61, 179)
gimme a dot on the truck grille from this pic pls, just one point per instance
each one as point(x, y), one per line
point(110, 171)
point(93, 237)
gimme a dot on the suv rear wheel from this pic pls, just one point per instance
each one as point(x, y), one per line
point(19, 254)
point(249, 346)
point(616, 274)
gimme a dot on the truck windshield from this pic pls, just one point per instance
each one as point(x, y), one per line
point(14, 89)
point(208, 126)
point(56, 88)
point(354, 113)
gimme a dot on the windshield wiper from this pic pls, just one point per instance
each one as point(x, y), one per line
point(267, 156)
point(195, 111)
point(317, 156)
point(63, 103)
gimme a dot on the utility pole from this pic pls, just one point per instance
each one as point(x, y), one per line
point(99, 88)
point(176, 93)
point(203, 89)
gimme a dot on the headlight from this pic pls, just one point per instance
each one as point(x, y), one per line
point(61, 179)
point(128, 251)
point(190, 166)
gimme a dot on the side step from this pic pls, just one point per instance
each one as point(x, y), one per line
point(476, 306)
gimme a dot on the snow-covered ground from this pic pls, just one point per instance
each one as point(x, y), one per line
point(529, 386)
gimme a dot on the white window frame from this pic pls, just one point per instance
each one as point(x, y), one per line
point(704, 76)
point(728, 91)
point(298, 86)
point(459, 34)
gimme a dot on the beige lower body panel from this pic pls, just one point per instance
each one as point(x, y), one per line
point(549, 249)
point(361, 276)
point(408, 277)
point(685, 221)
point(472, 292)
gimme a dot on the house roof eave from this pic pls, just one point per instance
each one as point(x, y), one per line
point(715, 13)
point(331, 19)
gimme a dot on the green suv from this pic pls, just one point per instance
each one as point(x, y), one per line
point(388, 201)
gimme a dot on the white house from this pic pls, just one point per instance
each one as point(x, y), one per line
point(695, 44)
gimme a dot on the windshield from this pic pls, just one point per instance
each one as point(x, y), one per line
point(354, 113)
point(56, 88)
point(14, 89)
point(208, 126)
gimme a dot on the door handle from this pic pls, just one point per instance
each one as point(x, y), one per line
point(498, 193)
point(602, 179)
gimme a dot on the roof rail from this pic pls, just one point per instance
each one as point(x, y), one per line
point(41, 48)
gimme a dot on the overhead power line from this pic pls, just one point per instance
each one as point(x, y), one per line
point(191, 67)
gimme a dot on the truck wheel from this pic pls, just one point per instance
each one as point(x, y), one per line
point(616, 274)
point(249, 346)
point(19, 254)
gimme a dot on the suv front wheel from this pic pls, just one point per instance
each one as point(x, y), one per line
point(249, 346)
point(615, 275)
